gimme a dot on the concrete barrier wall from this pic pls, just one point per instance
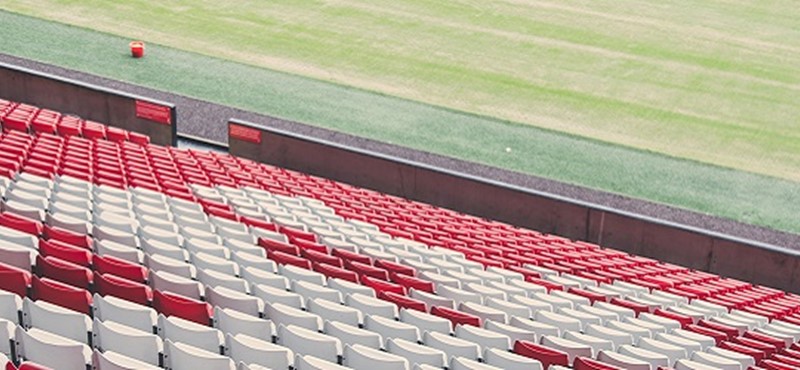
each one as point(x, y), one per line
point(130, 112)
point(679, 244)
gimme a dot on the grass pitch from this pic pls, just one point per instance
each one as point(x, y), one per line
point(655, 77)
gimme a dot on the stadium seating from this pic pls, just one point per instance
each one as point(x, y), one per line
point(121, 254)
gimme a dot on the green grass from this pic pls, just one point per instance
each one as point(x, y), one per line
point(715, 81)
point(705, 188)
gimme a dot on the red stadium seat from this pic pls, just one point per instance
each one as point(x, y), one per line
point(66, 252)
point(745, 350)
point(772, 364)
point(288, 259)
point(731, 332)
point(64, 271)
point(319, 257)
point(545, 283)
point(275, 246)
point(787, 360)
point(252, 222)
point(683, 319)
point(304, 244)
point(107, 284)
point(636, 307)
point(456, 317)
point(61, 294)
point(186, 308)
point(583, 363)
point(404, 302)
point(27, 365)
point(381, 286)
point(410, 282)
point(294, 234)
point(335, 272)
point(68, 237)
point(20, 223)
point(716, 334)
point(593, 297)
point(546, 355)
point(764, 338)
point(121, 268)
point(397, 268)
point(367, 270)
point(767, 348)
point(138, 138)
point(15, 280)
point(351, 257)
point(116, 134)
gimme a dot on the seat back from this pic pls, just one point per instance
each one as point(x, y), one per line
point(130, 342)
point(180, 356)
point(362, 357)
point(64, 295)
point(52, 350)
point(186, 308)
point(251, 350)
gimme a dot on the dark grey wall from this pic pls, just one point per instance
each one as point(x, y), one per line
point(90, 102)
point(695, 248)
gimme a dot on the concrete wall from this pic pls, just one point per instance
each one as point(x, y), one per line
point(679, 244)
point(90, 102)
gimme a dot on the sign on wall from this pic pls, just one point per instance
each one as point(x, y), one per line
point(154, 112)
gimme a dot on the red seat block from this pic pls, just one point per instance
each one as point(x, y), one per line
point(138, 138)
point(410, 282)
point(119, 267)
point(20, 223)
point(15, 280)
point(396, 268)
point(745, 350)
point(107, 284)
point(382, 286)
point(638, 308)
point(583, 363)
point(731, 332)
point(64, 271)
point(288, 259)
point(367, 270)
point(116, 134)
point(683, 319)
point(67, 236)
point(335, 272)
point(66, 252)
point(304, 244)
point(294, 234)
point(593, 297)
point(253, 222)
point(61, 294)
point(772, 364)
point(767, 348)
point(786, 360)
point(404, 302)
point(716, 334)
point(456, 317)
point(352, 257)
point(764, 338)
point(275, 246)
point(547, 356)
point(319, 257)
point(186, 308)
point(27, 365)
